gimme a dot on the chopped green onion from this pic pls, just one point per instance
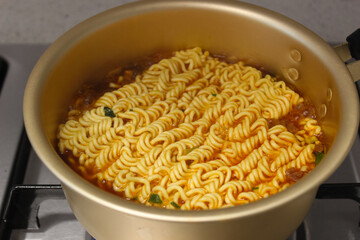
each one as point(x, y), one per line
point(109, 112)
point(318, 157)
point(131, 109)
point(311, 139)
point(188, 150)
point(255, 188)
point(174, 204)
point(214, 94)
point(154, 198)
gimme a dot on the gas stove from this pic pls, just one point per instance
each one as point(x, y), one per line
point(34, 206)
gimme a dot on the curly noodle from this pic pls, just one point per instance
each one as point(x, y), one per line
point(193, 130)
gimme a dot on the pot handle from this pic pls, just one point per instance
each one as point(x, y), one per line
point(339, 191)
point(349, 52)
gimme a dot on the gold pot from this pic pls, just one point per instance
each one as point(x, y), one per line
point(122, 34)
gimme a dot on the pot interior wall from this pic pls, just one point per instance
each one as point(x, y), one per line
point(253, 37)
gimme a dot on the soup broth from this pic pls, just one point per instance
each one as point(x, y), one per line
point(188, 130)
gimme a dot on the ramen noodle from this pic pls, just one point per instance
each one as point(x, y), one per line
point(193, 132)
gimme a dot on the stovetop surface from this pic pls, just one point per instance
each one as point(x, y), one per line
point(327, 219)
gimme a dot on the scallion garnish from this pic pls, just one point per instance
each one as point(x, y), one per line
point(213, 94)
point(155, 198)
point(188, 150)
point(109, 112)
point(131, 109)
point(255, 188)
point(174, 204)
point(318, 157)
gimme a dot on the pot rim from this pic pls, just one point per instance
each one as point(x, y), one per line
point(32, 111)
